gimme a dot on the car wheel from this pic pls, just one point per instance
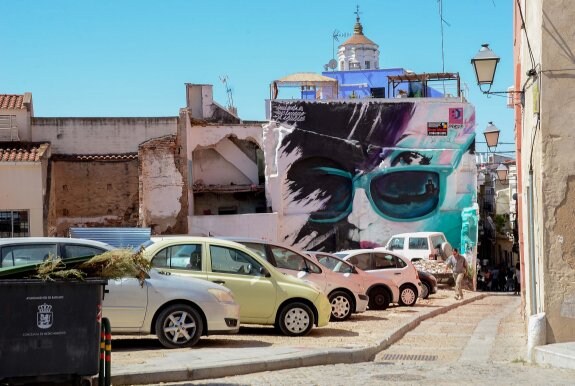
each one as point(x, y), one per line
point(341, 306)
point(179, 325)
point(425, 291)
point(378, 299)
point(407, 295)
point(295, 319)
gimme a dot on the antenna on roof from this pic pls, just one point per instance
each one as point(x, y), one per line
point(231, 108)
point(335, 35)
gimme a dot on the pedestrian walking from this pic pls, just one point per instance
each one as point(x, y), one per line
point(459, 266)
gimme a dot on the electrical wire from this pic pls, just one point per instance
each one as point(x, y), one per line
point(526, 36)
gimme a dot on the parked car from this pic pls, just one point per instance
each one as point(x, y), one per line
point(420, 245)
point(345, 295)
point(381, 262)
point(177, 310)
point(429, 283)
point(381, 291)
point(34, 250)
point(265, 295)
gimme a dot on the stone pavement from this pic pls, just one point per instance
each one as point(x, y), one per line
point(474, 332)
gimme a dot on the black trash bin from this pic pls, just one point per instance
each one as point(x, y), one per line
point(50, 329)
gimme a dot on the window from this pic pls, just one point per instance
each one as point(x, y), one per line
point(260, 249)
point(183, 256)
point(14, 223)
point(436, 241)
point(14, 255)
point(230, 260)
point(367, 65)
point(384, 261)
point(361, 261)
point(71, 251)
point(378, 92)
point(418, 243)
point(396, 243)
point(399, 263)
point(288, 259)
point(7, 121)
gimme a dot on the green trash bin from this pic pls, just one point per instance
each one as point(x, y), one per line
point(50, 329)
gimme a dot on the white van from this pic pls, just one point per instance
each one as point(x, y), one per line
point(420, 245)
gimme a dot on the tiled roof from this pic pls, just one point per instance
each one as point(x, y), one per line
point(23, 152)
point(358, 39)
point(95, 157)
point(11, 101)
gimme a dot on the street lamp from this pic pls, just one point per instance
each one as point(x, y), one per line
point(502, 173)
point(484, 64)
point(491, 135)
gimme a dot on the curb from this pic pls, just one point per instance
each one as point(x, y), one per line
point(315, 358)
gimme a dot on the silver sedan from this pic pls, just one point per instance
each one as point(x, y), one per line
point(177, 310)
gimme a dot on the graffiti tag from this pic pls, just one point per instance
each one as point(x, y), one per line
point(288, 113)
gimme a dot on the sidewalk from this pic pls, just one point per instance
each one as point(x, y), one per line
point(257, 349)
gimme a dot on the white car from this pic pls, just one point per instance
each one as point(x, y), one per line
point(381, 262)
point(346, 296)
point(17, 251)
point(381, 291)
point(420, 245)
point(177, 310)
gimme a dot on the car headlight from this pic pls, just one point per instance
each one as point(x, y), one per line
point(222, 295)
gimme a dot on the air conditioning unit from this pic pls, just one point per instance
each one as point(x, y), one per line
point(510, 97)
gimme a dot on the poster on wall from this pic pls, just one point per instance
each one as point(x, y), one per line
point(353, 173)
point(437, 129)
point(456, 117)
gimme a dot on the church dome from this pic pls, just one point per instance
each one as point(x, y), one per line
point(358, 52)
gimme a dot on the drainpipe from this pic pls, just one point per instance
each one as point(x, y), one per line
point(537, 324)
point(532, 277)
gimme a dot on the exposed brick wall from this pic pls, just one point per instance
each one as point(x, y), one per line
point(94, 194)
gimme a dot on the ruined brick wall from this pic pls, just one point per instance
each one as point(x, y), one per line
point(163, 190)
point(93, 193)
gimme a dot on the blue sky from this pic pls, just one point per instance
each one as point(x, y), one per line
point(133, 57)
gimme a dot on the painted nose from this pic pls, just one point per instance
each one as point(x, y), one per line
point(362, 214)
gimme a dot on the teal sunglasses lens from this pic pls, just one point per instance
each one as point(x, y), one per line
point(339, 199)
point(406, 194)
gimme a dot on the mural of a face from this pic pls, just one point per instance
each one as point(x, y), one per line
point(357, 172)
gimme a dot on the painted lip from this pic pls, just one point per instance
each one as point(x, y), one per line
point(368, 245)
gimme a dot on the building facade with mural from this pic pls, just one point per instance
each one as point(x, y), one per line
point(349, 174)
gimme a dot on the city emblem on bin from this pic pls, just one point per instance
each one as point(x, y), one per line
point(45, 318)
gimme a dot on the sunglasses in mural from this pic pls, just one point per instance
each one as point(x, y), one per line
point(398, 191)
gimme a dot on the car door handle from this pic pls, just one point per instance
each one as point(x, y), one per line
point(219, 281)
point(397, 273)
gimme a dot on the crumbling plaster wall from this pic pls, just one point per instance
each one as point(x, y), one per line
point(162, 186)
point(555, 174)
point(93, 135)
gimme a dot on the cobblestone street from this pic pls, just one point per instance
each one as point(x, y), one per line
point(482, 342)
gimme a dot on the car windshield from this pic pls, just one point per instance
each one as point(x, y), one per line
point(341, 255)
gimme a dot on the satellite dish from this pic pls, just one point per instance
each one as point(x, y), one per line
point(332, 64)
